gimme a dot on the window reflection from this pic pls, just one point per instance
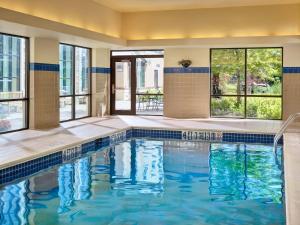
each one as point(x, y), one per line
point(243, 172)
point(137, 169)
point(13, 204)
point(74, 183)
point(82, 179)
point(149, 164)
point(66, 189)
point(122, 164)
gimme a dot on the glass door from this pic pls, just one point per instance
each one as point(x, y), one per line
point(123, 86)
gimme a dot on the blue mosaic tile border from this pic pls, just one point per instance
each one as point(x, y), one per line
point(89, 147)
point(103, 142)
point(44, 67)
point(291, 69)
point(186, 70)
point(100, 70)
point(129, 133)
point(248, 138)
point(168, 134)
point(30, 167)
point(36, 165)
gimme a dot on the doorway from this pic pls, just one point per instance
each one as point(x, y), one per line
point(137, 82)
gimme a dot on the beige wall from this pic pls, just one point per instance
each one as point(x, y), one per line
point(186, 95)
point(100, 94)
point(199, 56)
point(213, 23)
point(44, 50)
point(100, 83)
point(291, 55)
point(291, 94)
point(44, 85)
point(101, 57)
point(291, 81)
point(91, 16)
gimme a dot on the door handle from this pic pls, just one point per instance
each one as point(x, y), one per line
point(113, 89)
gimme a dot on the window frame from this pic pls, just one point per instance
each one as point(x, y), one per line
point(142, 52)
point(25, 99)
point(245, 95)
point(74, 95)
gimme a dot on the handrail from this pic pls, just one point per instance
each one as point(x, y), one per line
point(283, 128)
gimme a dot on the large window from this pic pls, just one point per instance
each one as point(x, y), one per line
point(13, 83)
point(246, 83)
point(74, 82)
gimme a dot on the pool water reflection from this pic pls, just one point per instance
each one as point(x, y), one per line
point(153, 182)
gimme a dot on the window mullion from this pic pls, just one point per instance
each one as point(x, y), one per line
point(246, 82)
point(73, 84)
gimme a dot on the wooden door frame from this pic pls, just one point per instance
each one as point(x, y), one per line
point(132, 59)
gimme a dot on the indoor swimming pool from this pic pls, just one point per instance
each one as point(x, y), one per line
point(147, 181)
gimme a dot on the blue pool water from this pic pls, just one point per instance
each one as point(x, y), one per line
point(153, 182)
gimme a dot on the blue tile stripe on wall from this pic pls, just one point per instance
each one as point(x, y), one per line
point(27, 168)
point(100, 70)
point(44, 67)
point(186, 70)
point(170, 70)
point(291, 69)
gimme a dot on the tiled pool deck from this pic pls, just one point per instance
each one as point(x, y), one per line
point(29, 144)
point(292, 176)
point(21, 146)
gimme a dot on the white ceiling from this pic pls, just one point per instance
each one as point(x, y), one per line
point(156, 5)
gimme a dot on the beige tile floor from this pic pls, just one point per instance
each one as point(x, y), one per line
point(24, 145)
point(292, 177)
point(28, 144)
